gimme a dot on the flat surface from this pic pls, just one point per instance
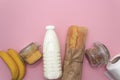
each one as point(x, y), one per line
point(24, 21)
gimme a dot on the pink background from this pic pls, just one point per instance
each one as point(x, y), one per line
point(24, 21)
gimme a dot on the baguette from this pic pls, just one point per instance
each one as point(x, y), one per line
point(75, 45)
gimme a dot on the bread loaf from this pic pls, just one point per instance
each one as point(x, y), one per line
point(75, 46)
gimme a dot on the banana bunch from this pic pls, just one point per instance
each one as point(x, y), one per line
point(14, 63)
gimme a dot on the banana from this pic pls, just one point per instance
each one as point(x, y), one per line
point(10, 63)
point(19, 62)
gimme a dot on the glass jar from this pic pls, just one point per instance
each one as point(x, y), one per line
point(98, 54)
point(30, 53)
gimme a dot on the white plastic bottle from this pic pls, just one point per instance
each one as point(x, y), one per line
point(51, 55)
point(113, 68)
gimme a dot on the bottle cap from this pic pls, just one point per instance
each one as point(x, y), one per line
point(49, 27)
